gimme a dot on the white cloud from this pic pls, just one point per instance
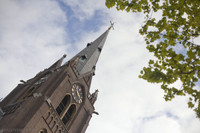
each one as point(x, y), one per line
point(33, 36)
point(86, 8)
point(31, 32)
point(160, 124)
point(123, 98)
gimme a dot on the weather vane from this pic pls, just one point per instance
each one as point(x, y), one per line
point(111, 25)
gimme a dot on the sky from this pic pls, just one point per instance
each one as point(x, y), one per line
point(34, 34)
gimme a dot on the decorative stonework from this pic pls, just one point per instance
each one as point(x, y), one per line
point(54, 122)
point(10, 108)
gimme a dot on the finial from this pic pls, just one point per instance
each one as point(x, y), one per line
point(111, 25)
point(64, 55)
point(93, 97)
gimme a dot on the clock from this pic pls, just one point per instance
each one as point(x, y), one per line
point(77, 93)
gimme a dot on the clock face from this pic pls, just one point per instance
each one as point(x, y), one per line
point(77, 93)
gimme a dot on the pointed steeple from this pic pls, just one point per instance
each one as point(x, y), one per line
point(86, 59)
point(57, 63)
point(93, 97)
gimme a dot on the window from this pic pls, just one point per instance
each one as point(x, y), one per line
point(83, 58)
point(64, 103)
point(69, 114)
point(66, 110)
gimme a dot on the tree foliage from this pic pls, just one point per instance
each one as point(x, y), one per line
point(171, 39)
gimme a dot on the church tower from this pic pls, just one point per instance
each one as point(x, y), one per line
point(56, 100)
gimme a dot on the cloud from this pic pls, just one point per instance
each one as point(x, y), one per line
point(85, 9)
point(160, 114)
point(123, 98)
point(162, 124)
point(34, 34)
point(31, 32)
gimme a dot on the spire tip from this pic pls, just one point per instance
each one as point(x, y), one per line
point(111, 25)
point(64, 55)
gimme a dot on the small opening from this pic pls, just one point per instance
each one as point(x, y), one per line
point(51, 119)
point(48, 114)
point(83, 58)
point(56, 128)
point(54, 123)
point(99, 49)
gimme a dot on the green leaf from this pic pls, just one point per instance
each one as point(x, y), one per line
point(191, 54)
point(190, 105)
point(151, 62)
point(171, 39)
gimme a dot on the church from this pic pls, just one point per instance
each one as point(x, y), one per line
point(57, 99)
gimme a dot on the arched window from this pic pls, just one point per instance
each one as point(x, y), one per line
point(51, 119)
point(54, 123)
point(48, 114)
point(64, 103)
point(69, 114)
point(56, 128)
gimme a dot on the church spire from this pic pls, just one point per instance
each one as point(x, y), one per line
point(57, 63)
point(86, 59)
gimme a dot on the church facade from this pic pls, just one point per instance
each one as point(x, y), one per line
point(57, 99)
